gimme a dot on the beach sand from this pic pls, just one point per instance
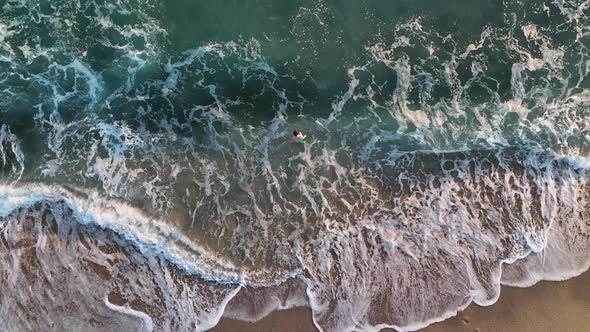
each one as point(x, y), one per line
point(546, 306)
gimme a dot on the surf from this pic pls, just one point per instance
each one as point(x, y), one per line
point(449, 153)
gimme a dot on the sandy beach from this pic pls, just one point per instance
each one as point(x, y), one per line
point(546, 306)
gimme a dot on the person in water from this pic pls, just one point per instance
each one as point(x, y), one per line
point(298, 137)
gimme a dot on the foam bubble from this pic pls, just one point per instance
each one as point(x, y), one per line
point(147, 321)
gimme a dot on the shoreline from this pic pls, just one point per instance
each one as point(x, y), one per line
point(545, 306)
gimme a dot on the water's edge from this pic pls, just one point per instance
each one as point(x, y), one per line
point(15, 201)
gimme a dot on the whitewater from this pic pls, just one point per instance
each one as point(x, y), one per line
point(147, 181)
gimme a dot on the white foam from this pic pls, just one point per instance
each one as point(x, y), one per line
point(147, 320)
point(4, 32)
point(215, 315)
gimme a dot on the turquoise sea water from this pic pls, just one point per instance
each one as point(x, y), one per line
point(147, 180)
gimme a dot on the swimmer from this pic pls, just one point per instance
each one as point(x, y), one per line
point(298, 137)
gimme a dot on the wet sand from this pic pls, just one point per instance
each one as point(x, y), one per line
point(547, 306)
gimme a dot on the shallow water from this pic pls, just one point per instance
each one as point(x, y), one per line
point(147, 181)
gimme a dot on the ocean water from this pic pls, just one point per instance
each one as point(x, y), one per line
point(147, 182)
